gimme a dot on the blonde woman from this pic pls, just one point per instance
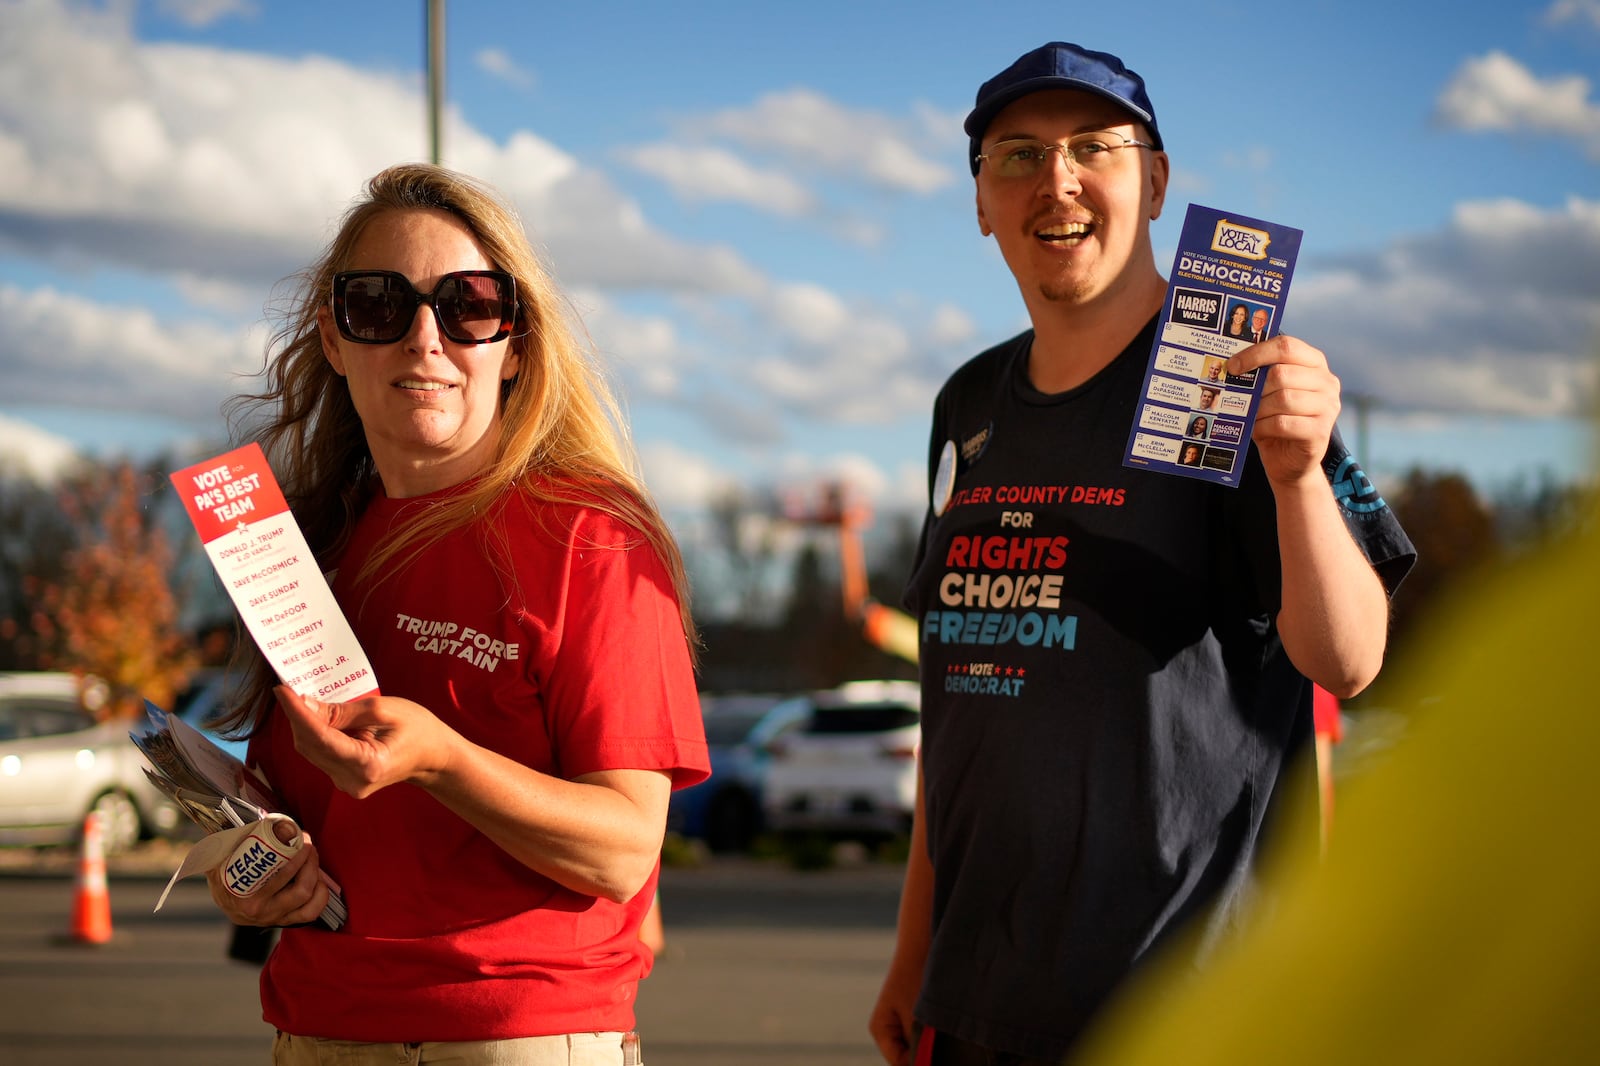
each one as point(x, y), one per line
point(495, 817)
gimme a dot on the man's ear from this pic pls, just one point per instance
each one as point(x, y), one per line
point(1160, 172)
point(983, 223)
point(329, 334)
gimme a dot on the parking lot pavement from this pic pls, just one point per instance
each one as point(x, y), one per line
point(767, 965)
point(763, 965)
point(153, 858)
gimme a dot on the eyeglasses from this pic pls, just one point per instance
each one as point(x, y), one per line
point(1093, 152)
point(378, 306)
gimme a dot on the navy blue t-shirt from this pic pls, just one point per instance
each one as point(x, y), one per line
point(1107, 709)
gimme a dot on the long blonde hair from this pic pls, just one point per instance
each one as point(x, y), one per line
point(562, 437)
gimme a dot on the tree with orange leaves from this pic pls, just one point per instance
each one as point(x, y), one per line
point(113, 613)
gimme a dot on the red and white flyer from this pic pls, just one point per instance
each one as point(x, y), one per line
point(259, 552)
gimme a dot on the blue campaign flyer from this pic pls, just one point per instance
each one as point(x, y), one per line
point(1230, 279)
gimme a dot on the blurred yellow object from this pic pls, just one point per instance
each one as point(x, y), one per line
point(1456, 915)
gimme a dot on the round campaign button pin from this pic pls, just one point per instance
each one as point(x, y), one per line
point(944, 479)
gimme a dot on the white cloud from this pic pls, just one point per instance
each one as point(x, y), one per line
point(171, 158)
point(784, 359)
point(1564, 11)
point(200, 13)
point(679, 479)
point(809, 313)
point(645, 351)
point(865, 232)
point(68, 351)
point(951, 326)
point(33, 453)
point(717, 175)
point(1254, 159)
point(815, 354)
point(797, 154)
point(812, 477)
point(831, 363)
point(221, 295)
point(222, 172)
point(1495, 313)
point(791, 358)
point(497, 62)
point(802, 482)
point(813, 133)
point(1496, 93)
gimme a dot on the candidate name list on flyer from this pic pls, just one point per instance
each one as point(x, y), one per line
point(262, 558)
point(1230, 279)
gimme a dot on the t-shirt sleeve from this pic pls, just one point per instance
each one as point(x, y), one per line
point(1368, 516)
point(1253, 522)
point(909, 599)
point(620, 689)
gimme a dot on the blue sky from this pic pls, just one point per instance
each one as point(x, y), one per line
point(763, 216)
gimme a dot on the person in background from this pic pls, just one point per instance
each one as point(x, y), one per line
point(495, 816)
point(1100, 756)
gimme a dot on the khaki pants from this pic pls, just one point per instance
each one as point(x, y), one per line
point(573, 1049)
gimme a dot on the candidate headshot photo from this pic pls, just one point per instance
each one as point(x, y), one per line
point(1258, 325)
point(1191, 454)
point(1199, 427)
point(1238, 323)
point(1209, 394)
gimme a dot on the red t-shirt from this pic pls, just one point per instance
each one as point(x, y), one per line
point(555, 641)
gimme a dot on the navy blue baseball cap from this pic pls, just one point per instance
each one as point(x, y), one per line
point(1059, 65)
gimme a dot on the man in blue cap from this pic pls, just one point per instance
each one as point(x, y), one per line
point(1117, 664)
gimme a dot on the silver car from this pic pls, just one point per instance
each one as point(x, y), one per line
point(57, 763)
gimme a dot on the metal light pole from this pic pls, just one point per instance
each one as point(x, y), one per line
point(435, 46)
point(1363, 403)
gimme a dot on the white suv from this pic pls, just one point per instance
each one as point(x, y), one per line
point(852, 768)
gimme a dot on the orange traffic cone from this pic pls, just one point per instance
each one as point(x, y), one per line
point(91, 904)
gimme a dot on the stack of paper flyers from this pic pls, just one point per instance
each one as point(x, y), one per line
point(215, 790)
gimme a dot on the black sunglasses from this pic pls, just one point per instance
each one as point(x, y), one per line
point(378, 306)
